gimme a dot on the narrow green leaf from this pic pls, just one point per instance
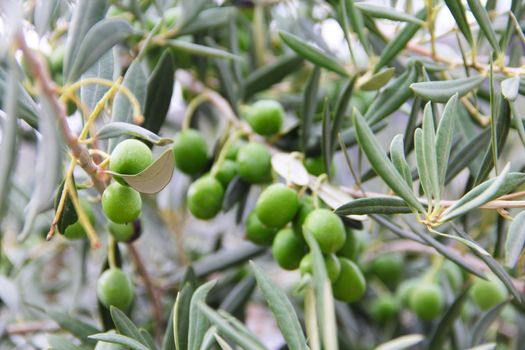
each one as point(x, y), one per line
point(312, 53)
point(181, 316)
point(99, 40)
point(27, 109)
point(310, 318)
point(378, 80)
point(466, 154)
point(442, 331)
point(238, 296)
point(117, 129)
point(326, 138)
point(69, 215)
point(392, 97)
point(394, 47)
point(282, 309)
point(168, 341)
point(355, 17)
point(235, 192)
point(60, 342)
point(422, 166)
point(483, 19)
point(149, 341)
point(387, 12)
point(444, 135)
point(159, 92)
point(479, 330)
point(374, 205)
point(458, 12)
point(323, 295)
point(227, 329)
point(125, 326)
point(493, 129)
point(87, 13)
point(397, 154)
point(211, 18)
point(403, 342)
point(190, 11)
point(201, 50)
point(429, 149)
point(309, 106)
point(135, 81)
point(73, 325)
point(475, 198)
point(264, 77)
point(443, 90)
point(241, 328)
point(197, 321)
point(515, 240)
point(381, 164)
point(119, 339)
point(487, 346)
point(222, 343)
point(103, 69)
point(340, 112)
point(45, 14)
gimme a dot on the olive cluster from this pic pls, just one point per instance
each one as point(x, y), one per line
point(280, 214)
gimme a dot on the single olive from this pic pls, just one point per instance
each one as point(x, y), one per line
point(488, 293)
point(227, 172)
point(129, 157)
point(257, 232)
point(332, 265)
point(265, 117)
point(254, 163)
point(277, 205)
point(427, 301)
point(327, 229)
point(405, 289)
point(205, 197)
point(76, 230)
point(350, 285)
point(384, 308)
point(114, 288)
point(350, 248)
point(121, 232)
point(121, 204)
point(287, 249)
point(315, 166)
point(190, 151)
point(388, 268)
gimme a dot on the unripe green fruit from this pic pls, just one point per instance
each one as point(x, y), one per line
point(315, 166)
point(327, 229)
point(190, 151)
point(121, 232)
point(306, 206)
point(265, 117)
point(350, 285)
point(121, 204)
point(205, 197)
point(487, 294)
point(427, 301)
point(350, 248)
point(287, 249)
point(384, 308)
point(405, 289)
point(388, 268)
point(232, 151)
point(277, 205)
point(254, 163)
point(332, 263)
point(257, 233)
point(227, 172)
point(76, 231)
point(129, 157)
point(114, 288)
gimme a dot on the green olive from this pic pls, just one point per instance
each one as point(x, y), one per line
point(265, 117)
point(254, 163)
point(427, 301)
point(205, 197)
point(350, 248)
point(405, 289)
point(388, 268)
point(227, 172)
point(384, 309)
point(327, 229)
point(121, 204)
point(287, 249)
point(121, 232)
point(129, 157)
point(190, 151)
point(257, 232)
point(76, 231)
point(277, 205)
point(114, 288)
point(350, 285)
point(332, 265)
point(315, 166)
point(488, 293)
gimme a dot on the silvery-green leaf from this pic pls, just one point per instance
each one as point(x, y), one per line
point(378, 80)
point(444, 135)
point(429, 150)
point(117, 129)
point(103, 69)
point(458, 12)
point(515, 240)
point(403, 342)
point(119, 339)
point(483, 19)
point(99, 40)
point(198, 323)
point(201, 50)
point(385, 12)
point(290, 168)
point(374, 205)
point(510, 88)
point(443, 90)
point(397, 154)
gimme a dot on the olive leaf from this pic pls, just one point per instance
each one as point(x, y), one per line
point(443, 90)
point(374, 205)
point(118, 129)
point(377, 80)
point(403, 342)
point(385, 12)
point(515, 240)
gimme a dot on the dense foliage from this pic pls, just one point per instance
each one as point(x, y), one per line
point(201, 174)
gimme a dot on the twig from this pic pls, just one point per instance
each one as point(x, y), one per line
point(49, 90)
point(32, 327)
point(154, 297)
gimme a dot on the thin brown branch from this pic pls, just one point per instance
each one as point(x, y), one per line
point(49, 90)
point(32, 327)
